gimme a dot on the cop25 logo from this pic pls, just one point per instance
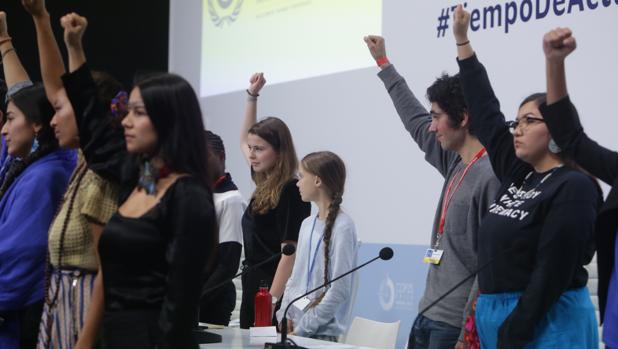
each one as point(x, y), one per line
point(386, 294)
point(222, 11)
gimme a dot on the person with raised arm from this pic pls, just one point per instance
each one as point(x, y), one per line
point(74, 282)
point(534, 296)
point(31, 188)
point(276, 210)
point(469, 188)
point(565, 127)
point(166, 209)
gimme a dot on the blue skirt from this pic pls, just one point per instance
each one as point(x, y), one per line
point(570, 320)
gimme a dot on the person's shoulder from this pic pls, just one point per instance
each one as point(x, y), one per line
point(291, 184)
point(309, 220)
point(290, 189)
point(345, 222)
point(576, 179)
point(483, 164)
point(577, 185)
point(345, 229)
point(189, 191)
point(190, 185)
point(229, 196)
point(486, 171)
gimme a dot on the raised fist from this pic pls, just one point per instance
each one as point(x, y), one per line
point(4, 31)
point(74, 27)
point(461, 22)
point(376, 47)
point(256, 82)
point(558, 44)
point(35, 7)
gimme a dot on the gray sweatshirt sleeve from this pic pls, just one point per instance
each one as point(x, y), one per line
point(416, 119)
point(343, 257)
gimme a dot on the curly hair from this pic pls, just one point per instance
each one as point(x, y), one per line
point(447, 93)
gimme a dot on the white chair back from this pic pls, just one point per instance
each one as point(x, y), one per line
point(373, 334)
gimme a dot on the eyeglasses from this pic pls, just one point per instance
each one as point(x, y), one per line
point(524, 122)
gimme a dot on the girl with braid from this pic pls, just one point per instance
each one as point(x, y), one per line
point(31, 187)
point(327, 248)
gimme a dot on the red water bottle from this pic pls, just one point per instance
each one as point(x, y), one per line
point(263, 306)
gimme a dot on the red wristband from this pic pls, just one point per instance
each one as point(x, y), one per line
point(382, 60)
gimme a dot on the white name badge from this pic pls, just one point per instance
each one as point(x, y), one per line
point(302, 303)
point(433, 256)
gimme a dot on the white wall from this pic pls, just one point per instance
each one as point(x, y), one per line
point(391, 192)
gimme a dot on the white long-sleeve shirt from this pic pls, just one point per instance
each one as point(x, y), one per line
point(331, 315)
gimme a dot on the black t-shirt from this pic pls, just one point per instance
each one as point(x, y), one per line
point(263, 234)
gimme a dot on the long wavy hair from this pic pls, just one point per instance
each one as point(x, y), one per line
point(269, 185)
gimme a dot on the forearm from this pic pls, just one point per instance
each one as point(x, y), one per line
point(284, 270)
point(94, 316)
point(556, 80)
point(14, 71)
point(52, 66)
point(77, 57)
point(464, 48)
point(249, 120)
point(227, 266)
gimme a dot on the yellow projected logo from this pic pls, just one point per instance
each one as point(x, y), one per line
point(222, 11)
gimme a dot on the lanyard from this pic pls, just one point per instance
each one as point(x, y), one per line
point(519, 190)
point(315, 254)
point(447, 197)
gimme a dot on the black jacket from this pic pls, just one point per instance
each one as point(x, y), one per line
point(564, 125)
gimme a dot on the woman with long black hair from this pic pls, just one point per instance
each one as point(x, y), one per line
point(155, 249)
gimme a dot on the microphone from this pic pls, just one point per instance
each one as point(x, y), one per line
point(287, 250)
point(517, 246)
point(204, 337)
point(385, 254)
